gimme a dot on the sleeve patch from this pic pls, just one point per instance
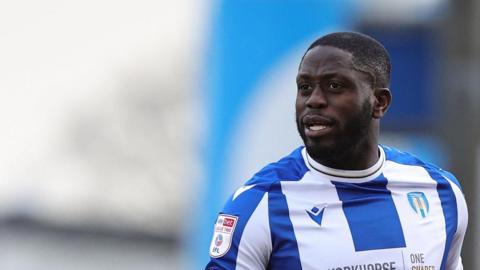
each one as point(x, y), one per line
point(222, 235)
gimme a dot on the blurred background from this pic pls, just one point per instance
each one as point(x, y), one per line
point(127, 124)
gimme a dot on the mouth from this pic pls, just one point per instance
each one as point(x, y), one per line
point(316, 125)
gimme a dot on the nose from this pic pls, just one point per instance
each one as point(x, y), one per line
point(317, 99)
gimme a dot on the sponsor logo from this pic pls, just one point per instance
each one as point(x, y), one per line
point(419, 262)
point(229, 222)
point(316, 214)
point(419, 203)
point(368, 266)
point(222, 235)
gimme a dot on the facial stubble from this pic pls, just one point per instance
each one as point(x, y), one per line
point(353, 136)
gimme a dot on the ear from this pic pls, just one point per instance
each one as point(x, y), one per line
point(382, 100)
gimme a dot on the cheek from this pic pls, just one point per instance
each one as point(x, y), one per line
point(344, 103)
point(299, 104)
point(348, 109)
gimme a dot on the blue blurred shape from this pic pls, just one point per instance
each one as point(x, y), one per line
point(247, 39)
point(415, 58)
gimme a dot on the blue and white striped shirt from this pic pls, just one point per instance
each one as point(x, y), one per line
point(401, 213)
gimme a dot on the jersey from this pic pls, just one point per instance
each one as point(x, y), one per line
point(401, 213)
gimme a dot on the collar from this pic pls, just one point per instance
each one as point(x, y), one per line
point(352, 176)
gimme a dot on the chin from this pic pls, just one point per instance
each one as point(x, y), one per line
point(319, 148)
point(322, 147)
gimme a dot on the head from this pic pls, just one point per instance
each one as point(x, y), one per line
point(343, 93)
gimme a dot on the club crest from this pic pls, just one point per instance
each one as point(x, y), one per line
point(419, 203)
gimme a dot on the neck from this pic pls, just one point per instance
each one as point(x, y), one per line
point(359, 159)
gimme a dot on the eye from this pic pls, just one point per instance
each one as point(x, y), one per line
point(335, 86)
point(304, 87)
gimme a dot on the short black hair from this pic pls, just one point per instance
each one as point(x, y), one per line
point(369, 55)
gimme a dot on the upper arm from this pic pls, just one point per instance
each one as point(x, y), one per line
point(241, 238)
point(454, 260)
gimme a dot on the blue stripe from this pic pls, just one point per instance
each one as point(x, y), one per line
point(285, 254)
point(444, 189)
point(243, 207)
point(451, 177)
point(449, 207)
point(371, 214)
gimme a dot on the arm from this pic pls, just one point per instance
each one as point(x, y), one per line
point(454, 260)
point(241, 238)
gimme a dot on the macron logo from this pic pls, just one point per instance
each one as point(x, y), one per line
point(316, 214)
point(241, 190)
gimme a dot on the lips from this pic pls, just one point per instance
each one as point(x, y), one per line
point(317, 125)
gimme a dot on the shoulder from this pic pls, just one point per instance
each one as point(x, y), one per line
point(405, 158)
point(289, 168)
point(245, 218)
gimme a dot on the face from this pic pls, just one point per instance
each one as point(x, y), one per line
point(334, 105)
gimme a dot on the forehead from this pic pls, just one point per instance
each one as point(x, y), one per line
point(323, 59)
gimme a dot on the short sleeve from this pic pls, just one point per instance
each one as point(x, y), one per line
point(241, 237)
point(454, 260)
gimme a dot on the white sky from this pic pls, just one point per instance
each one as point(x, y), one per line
point(59, 57)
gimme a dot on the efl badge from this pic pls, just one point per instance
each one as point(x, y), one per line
point(418, 201)
point(222, 235)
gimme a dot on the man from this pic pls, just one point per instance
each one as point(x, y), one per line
point(343, 202)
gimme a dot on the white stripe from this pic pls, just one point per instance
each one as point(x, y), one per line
point(256, 244)
point(318, 246)
point(423, 235)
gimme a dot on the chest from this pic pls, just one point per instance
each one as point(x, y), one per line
point(378, 225)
